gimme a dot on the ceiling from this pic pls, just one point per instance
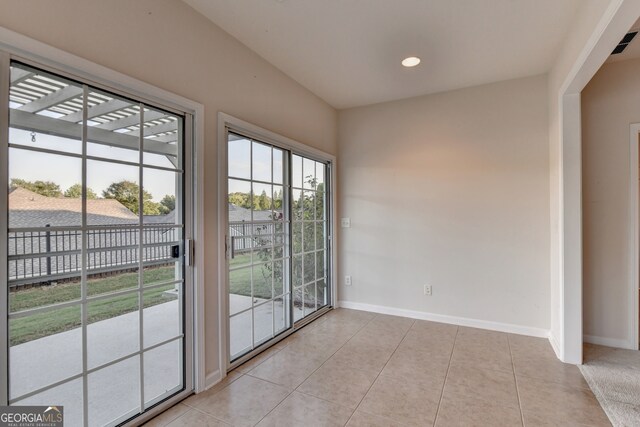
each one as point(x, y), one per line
point(348, 52)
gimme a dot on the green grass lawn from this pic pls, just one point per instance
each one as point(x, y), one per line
point(240, 279)
point(28, 328)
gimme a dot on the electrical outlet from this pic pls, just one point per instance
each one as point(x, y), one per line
point(347, 280)
point(427, 290)
point(345, 222)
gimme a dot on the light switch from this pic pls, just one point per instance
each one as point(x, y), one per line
point(345, 222)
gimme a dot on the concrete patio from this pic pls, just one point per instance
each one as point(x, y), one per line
point(45, 361)
point(38, 363)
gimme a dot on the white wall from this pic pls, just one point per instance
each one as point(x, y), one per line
point(169, 45)
point(564, 154)
point(450, 190)
point(598, 28)
point(610, 103)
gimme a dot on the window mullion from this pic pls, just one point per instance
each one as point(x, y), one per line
point(141, 253)
point(5, 71)
point(83, 249)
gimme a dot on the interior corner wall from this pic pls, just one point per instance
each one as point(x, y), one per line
point(610, 103)
point(449, 190)
point(562, 333)
point(168, 44)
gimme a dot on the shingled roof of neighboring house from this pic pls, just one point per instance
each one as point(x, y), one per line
point(239, 214)
point(169, 218)
point(29, 209)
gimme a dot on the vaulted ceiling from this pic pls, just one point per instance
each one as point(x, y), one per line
point(348, 52)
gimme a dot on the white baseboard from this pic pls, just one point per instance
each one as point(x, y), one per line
point(443, 318)
point(608, 342)
point(212, 379)
point(555, 346)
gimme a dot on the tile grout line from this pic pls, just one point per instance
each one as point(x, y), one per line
point(166, 423)
point(211, 415)
point(203, 413)
point(515, 378)
point(273, 348)
point(556, 383)
point(446, 375)
point(276, 351)
point(314, 371)
point(377, 376)
point(284, 343)
point(193, 408)
point(320, 398)
point(213, 393)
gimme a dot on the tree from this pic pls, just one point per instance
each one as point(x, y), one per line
point(44, 188)
point(167, 204)
point(126, 192)
point(151, 208)
point(309, 205)
point(262, 202)
point(240, 199)
point(75, 192)
point(277, 200)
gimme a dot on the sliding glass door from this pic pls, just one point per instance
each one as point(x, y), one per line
point(277, 241)
point(309, 236)
point(95, 248)
point(259, 291)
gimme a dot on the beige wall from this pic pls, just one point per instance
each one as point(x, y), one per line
point(610, 103)
point(169, 45)
point(450, 190)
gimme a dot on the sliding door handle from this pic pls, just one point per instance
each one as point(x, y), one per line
point(232, 249)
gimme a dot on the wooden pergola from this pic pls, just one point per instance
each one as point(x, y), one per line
point(50, 105)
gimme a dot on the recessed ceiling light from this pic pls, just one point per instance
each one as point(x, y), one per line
point(411, 61)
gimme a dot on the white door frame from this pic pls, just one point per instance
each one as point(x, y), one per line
point(56, 60)
point(634, 237)
point(566, 335)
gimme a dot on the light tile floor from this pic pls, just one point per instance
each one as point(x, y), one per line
point(361, 369)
